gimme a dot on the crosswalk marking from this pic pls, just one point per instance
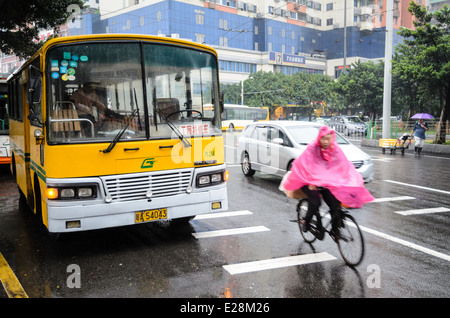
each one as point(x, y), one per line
point(248, 267)
point(417, 186)
point(423, 211)
point(235, 231)
point(393, 199)
point(222, 214)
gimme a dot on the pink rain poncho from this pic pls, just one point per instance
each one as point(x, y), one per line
point(328, 168)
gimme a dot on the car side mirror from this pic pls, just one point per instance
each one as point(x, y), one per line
point(278, 141)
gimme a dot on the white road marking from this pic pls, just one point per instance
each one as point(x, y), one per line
point(242, 230)
point(400, 241)
point(393, 199)
point(222, 214)
point(419, 187)
point(248, 267)
point(423, 211)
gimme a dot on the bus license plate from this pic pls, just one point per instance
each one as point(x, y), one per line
point(150, 215)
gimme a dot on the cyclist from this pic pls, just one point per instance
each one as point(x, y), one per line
point(323, 169)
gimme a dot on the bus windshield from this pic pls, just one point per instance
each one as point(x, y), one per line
point(95, 87)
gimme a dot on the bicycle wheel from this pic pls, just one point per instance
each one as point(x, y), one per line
point(302, 208)
point(350, 241)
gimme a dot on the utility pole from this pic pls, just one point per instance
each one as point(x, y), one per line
point(345, 36)
point(387, 90)
point(242, 92)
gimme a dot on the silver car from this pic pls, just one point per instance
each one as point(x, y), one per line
point(271, 147)
point(348, 125)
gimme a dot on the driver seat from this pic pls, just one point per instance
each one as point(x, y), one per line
point(168, 106)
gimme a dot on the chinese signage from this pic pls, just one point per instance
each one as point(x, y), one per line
point(286, 59)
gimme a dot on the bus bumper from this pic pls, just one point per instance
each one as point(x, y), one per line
point(71, 216)
point(97, 216)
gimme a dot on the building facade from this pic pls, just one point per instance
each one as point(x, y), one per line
point(252, 35)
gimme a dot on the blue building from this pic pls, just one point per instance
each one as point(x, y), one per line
point(248, 33)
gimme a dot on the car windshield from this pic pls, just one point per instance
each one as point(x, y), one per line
point(354, 120)
point(95, 88)
point(303, 135)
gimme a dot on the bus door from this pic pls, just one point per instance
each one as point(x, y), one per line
point(33, 134)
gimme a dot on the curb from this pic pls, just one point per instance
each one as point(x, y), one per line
point(427, 148)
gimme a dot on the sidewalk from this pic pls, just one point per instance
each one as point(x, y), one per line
point(427, 148)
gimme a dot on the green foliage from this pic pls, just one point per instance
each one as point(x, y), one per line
point(423, 61)
point(276, 89)
point(21, 21)
point(362, 86)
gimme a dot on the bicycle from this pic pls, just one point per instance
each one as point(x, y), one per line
point(349, 237)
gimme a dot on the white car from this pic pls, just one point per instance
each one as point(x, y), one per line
point(271, 147)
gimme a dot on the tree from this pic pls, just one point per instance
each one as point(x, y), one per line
point(231, 93)
point(21, 21)
point(362, 86)
point(265, 89)
point(309, 90)
point(424, 56)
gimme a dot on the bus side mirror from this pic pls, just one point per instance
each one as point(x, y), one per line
point(34, 90)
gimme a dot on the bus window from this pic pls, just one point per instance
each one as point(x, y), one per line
point(94, 88)
point(180, 91)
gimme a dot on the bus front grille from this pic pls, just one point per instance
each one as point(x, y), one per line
point(150, 185)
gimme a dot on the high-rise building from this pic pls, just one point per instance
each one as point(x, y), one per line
point(250, 35)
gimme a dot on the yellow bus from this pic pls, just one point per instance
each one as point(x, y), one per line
point(5, 154)
point(111, 130)
point(236, 117)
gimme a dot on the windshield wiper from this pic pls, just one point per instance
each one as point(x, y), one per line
point(175, 130)
point(120, 133)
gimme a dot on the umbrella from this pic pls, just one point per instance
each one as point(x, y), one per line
point(422, 116)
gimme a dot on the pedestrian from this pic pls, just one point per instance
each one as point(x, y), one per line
point(419, 135)
point(324, 170)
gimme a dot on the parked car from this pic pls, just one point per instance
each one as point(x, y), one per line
point(348, 125)
point(271, 147)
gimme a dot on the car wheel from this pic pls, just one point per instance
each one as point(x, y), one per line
point(289, 166)
point(246, 166)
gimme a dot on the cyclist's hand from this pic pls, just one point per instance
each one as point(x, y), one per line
point(312, 187)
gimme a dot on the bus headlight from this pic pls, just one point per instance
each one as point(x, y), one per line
point(67, 192)
point(212, 178)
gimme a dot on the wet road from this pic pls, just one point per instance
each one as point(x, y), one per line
point(407, 255)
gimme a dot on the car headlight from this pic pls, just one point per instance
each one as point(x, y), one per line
point(367, 161)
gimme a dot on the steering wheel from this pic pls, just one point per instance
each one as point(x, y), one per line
point(186, 110)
